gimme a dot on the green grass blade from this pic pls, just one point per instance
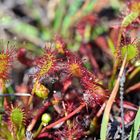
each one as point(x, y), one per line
point(110, 102)
point(136, 127)
point(60, 13)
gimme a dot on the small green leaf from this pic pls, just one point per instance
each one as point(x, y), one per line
point(17, 116)
point(46, 118)
point(131, 51)
point(129, 19)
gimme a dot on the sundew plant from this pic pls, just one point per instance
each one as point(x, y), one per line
point(74, 71)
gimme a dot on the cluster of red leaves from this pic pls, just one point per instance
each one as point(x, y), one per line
point(68, 86)
point(74, 86)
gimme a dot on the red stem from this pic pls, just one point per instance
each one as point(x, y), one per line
point(64, 118)
point(46, 135)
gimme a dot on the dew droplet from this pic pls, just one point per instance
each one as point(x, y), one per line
point(54, 91)
point(90, 78)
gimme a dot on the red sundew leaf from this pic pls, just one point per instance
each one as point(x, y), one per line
point(127, 105)
point(21, 55)
point(129, 116)
point(95, 93)
point(75, 131)
point(66, 85)
point(47, 63)
point(74, 66)
point(134, 6)
point(60, 44)
point(93, 99)
point(6, 58)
